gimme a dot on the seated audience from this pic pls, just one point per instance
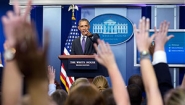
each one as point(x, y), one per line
point(28, 60)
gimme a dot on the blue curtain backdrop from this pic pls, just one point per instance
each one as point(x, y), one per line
point(37, 17)
point(66, 25)
point(181, 26)
point(146, 12)
point(4, 7)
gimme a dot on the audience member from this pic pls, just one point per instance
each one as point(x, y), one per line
point(24, 57)
point(135, 94)
point(85, 94)
point(108, 96)
point(59, 96)
point(51, 77)
point(136, 79)
point(175, 97)
point(79, 81)
point(106, 58)
point(143, 43)
point(100, 82)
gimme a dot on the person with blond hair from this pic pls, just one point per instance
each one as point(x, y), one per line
point(85, 94)
point(100, 82)
point(175, 97)
point(79, 81)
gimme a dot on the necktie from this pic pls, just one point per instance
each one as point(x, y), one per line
point(83, 44)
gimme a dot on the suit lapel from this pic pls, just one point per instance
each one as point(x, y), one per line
point(87, 44)
point(80, 46)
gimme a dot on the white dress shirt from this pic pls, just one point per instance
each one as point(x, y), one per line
point(159, 57)
point(1, 65)
point(52, 89)
point(82, 38)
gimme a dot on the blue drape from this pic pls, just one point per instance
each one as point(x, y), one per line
point(4, 7)
point(146, 12)
point(67, 23)
point(37, 17)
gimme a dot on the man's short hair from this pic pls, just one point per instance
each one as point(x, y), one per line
point(108, 96)
point(136, 79)
point(135, 94)
point(59, 96)
point(83, 19)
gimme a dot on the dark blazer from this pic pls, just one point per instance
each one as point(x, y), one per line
point(1, 69)
point(163, 77)
point(1, 77)
point(89, 48)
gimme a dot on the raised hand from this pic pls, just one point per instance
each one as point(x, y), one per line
point(105, 57)
point(142, 35)
point(12, 20)
point(104, 54)
point(31, 59)
point(51, 74)
point(161, 36)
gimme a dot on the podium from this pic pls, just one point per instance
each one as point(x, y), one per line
point(82, 66)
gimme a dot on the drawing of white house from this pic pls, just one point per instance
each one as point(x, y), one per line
point(110, 27)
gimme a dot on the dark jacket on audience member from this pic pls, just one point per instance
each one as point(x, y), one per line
point(163, 77)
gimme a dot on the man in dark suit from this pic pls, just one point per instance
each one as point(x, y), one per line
point(1, 66)
point(1, 72)
point(161, 69)
point(83, 45)
point(163, 78)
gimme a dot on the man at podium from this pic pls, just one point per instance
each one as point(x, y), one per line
point(83, 45)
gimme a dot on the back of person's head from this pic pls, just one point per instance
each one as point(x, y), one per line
point(175, 97)
point(59, 96)
point(135, 94)
point(100, 82)
point(85, 94)
point(58, 86)
point(136, 79)
point(26, 100)
point(79, 81)
point(108, 96)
